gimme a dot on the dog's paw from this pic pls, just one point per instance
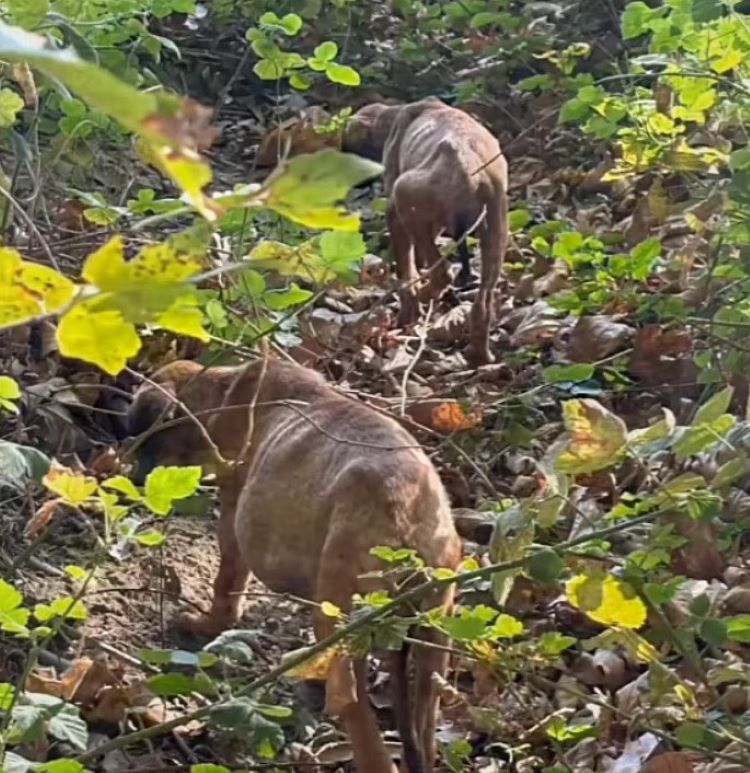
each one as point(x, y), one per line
point(200, 624)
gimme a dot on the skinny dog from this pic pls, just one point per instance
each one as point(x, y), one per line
point(444, 172)
point(322, 480)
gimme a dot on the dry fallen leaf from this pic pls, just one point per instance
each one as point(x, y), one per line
point(452, 417)
point(42, 517)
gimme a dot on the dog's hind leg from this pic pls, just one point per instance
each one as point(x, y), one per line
point(231, 579)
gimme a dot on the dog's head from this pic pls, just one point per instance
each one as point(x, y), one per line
point(163, 434)
point(368, 130)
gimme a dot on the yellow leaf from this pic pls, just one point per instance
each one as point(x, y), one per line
point(73, 488)
point(29, 289)
point(188, 171)
point(309, 188)
point(330, 610)
point(607, 600)
point(183, 318)
point(101, 337)
point(317, 667)
point(106, 268)
point(596, 437)
point(302, 260)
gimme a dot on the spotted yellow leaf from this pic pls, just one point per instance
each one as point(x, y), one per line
point(29, 289)
point(597, 437)
point(607, 600)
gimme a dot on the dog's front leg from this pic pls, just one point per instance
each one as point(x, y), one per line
point(231, 580)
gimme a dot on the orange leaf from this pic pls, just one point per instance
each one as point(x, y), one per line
point(451, 417)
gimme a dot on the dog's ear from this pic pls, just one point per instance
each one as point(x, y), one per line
point(149, 406)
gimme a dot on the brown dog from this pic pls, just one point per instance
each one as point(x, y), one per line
point(444, 173)
point(323, 480)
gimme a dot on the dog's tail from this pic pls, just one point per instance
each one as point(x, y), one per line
point(402, 704)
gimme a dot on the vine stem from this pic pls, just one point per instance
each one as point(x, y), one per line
point(372, 616)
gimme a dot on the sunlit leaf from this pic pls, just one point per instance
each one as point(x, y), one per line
point(597, 437)
point(74, 488)
point(166, 484)
point(28, 290)
point(309, 189)
point(607, 600)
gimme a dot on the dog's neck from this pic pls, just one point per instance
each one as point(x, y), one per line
point(248, 400)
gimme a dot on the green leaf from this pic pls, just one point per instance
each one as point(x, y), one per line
point(65, 607)
point(692, 735)
point(20, 464)
point(714, 632)
point(166, 484)
point(470, 624)
point(7, 692)
point(178, 658)
point(554, 643)
point(507, 627)
point(307, 189)
point(206, 767)
point(559, 374)
point(11, 105)
point(13, 617)
point(60, 766)
point(694, 440)
point(545, 565)
point(343, 74)
point(342, 251)
point(299, 82)
point(294, 295)
point(150, 538)
point(124, 486)
point(738, 628)
point(27, 13)
point(326, 51)
point(171, 685)
point(740, 159)
point(290, 24)
point(67, 725)
point(636, 19)
point(518, 219)
point(715, 407)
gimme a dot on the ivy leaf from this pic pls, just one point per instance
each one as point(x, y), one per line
point(607, 600)
point(597, 437)
point(166, 484)
point(307, 189)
